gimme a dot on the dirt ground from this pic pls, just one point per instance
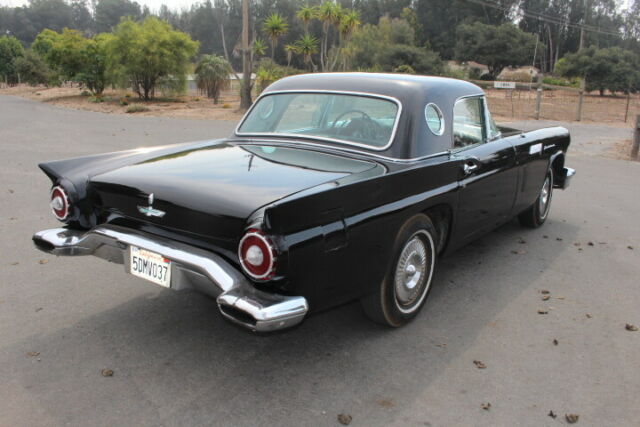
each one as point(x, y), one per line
point(118, 101)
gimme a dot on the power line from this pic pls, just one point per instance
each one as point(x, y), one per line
point(546, 18)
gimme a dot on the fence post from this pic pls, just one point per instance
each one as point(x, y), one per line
point(636, 139)
point(538, 96)
point(580, 98)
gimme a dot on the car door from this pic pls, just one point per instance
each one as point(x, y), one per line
point(488, 177)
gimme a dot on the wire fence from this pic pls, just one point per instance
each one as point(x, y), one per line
point(560, 103)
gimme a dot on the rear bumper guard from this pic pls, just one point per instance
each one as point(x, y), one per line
point(564, 179)
point(192, 268)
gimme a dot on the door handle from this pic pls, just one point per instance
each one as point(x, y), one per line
point(469, 168)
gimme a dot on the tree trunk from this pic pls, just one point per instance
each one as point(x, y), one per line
point(245, 91)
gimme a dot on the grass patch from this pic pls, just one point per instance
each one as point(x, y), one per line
point(137, 109)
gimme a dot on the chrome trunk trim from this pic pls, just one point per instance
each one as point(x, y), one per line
point(192, 268)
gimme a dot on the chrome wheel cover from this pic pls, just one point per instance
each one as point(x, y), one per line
point(545, 198)
point(413, 272)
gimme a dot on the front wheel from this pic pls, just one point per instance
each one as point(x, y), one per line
point(403, 291)
point(537, 213)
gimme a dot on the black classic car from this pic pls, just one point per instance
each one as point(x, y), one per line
point(334, 187)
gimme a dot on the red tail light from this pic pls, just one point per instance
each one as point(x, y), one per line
point(59, 203)
point(257, 255)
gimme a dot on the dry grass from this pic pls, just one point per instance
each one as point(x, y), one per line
point(562, 105)
point(117, 102)
point(558, 105)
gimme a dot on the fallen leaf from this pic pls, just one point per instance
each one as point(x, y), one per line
point(572, 418)
point(479, 364)
point(106, 373)
point(544, 291)
point(555, 342)
point(543, 312)
point(590, 243)
point(15, 263)
point(630, 327)
point(552, 414)
point(43, 261)
point(559, 297)
point(33, 354)
point(486, 406)
point(386, 403)
point(546, 297)
point(344, 419)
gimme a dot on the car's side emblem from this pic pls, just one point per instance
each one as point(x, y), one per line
point(149, 210)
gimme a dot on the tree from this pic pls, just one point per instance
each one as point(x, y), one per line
point(148, 51)
point(75, 57)
point(93, 72)
point(495, 46)
point(420, 60)
point(611, 69)
point(307, 46)
point(109, 13)
point(306, 14)
point(64, 52)
point(275, 26)
point(212, 74)
point(32, 68)
point(10, 50)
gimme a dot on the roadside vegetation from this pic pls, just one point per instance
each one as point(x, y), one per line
point(119, 44)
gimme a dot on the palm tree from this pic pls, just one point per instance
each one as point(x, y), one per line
point(306, 14)
point(275, 26)
point(328, 13)
point(290, 49)
point(306, 46)
point(349, 22)
point(212, 74)
point(259, 47)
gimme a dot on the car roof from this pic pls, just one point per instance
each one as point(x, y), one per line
point(414, 92)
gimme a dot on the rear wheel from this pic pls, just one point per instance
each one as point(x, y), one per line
point(404, 290)
point(537, 213)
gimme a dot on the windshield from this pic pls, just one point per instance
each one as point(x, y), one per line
point(354, 119)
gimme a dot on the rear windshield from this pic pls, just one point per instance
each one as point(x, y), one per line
point(355, 119)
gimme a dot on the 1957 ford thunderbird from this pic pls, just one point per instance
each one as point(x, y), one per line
point(333, 188)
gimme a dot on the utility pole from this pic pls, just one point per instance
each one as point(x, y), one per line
point(245, 90)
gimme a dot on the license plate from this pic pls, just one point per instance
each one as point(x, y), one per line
point(150, 265)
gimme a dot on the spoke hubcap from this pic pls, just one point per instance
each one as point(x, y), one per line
point(411, 271)
point(545, 194)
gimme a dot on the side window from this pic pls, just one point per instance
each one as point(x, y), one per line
point(492, 129)
point(468, 122)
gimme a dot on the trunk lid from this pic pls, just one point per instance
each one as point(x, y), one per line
point(211, 191)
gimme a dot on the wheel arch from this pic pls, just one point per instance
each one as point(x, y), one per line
point(441, 216)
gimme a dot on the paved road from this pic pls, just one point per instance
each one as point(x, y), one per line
point(177, 363)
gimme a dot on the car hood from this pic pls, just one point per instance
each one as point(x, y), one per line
point(212, 190)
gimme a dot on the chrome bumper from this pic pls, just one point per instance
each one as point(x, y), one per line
point(565, 178)
point(191, 268)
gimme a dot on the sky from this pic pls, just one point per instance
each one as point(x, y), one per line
point(153, 4)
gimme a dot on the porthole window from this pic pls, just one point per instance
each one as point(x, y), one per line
point(434, 118)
